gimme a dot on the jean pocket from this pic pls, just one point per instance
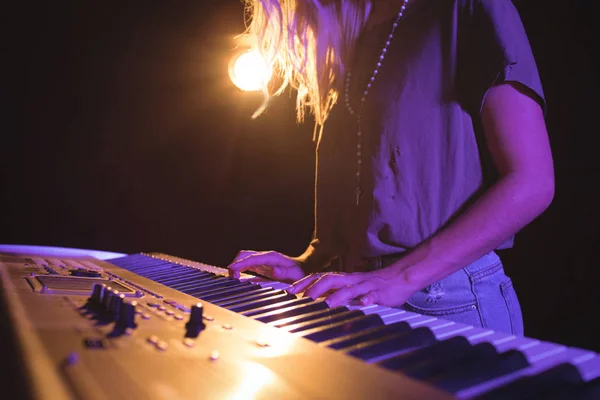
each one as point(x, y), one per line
point(467, 314)
point(513, 307)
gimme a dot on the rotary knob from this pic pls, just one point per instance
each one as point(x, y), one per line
point(116, 304)
point(97, 294)
point(196, 322)
point(126, 318)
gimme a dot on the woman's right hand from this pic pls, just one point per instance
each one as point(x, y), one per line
point(271, 264)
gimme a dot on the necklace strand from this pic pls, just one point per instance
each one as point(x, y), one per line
point(358, 114)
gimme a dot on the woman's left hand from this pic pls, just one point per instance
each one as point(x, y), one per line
point(375, 287)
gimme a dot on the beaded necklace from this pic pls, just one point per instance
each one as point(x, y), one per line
point(359, 114)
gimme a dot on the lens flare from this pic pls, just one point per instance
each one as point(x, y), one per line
point(249, 72)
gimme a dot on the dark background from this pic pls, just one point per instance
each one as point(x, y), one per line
point(121, 131)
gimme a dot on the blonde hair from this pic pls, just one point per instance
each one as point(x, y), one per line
point(308, 44)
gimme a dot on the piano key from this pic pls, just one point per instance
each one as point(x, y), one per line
point(550, 359)
point(162, 273)
point(534, 386)
point(274, 307)
point(342, 328)
point(191, 283)
point(237, 296)
point(391, 345)
point(261, 303)
point(276, 285)
point(467, 374)
point(184, 280)
point(252, 296)
point(209, 290)
point(369, 334)
point(446, 350)
point(447, 362)
point(227, 292)
point(585, 391)
point(292, 311)
point(210, 287)
point(325, 320)
point(311, 316)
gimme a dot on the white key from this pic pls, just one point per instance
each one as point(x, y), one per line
point(568, 355)
point(448, 331)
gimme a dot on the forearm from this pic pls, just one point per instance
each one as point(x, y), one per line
point(500, 212)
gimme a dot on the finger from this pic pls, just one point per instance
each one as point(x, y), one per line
point(373, 297)
point(329, 282)
point(243, 254)
point(349, 292)
point(253, 262)
point(261, 262)
point(303, 283)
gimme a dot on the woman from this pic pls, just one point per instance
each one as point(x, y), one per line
point(434, 152)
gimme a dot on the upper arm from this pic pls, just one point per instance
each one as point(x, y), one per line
point(515, 133)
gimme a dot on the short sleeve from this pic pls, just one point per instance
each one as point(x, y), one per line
point(494, 48)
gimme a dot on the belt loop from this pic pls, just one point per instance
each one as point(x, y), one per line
point(378, 262)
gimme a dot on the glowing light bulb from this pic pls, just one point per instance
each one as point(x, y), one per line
point(249, 71)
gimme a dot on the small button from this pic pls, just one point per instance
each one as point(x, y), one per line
point(161, 308)
point(189, 342)
point(150, 304)
point(178, 317)
point(262, 343)
point(94, 343)
point(214, 355)
point(162, 345)
point(169, 312)
point(209, 318)
point(145, 316)
point(153, 339)
point(227, 326)
point(72, 358)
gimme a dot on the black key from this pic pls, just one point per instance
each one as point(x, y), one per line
point(279, 306)
point(440, 352)
point(541, 385)
point(202, 289)
point(173, 273)
point(227, 293)
point(585, 391)
point(142, 267)
point(324, 321)
point(427, 369)
point(209, 290)
point(192, 282)
point(250, 297)
point(311, 316)
point(343, 328)
point(173, 279)
point(394, 344)
point(236, 296)
point(261, 303)
point(366, 335)
point(160, 270)
point(291, 311)
point(469, 374)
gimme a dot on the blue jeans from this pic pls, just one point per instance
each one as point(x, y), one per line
point(479, 295)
